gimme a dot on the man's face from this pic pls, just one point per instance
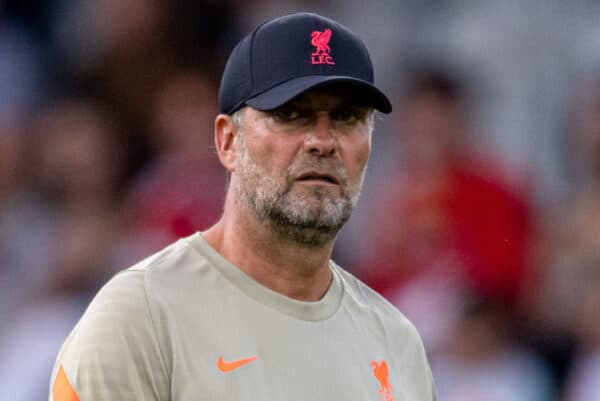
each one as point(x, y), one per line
point(300, 167)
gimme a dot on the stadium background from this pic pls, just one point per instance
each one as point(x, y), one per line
point(480, 217)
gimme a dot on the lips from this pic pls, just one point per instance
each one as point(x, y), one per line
point(316, 176)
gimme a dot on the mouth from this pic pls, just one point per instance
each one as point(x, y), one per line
point(318, 178)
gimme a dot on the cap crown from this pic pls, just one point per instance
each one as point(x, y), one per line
point(297, 45)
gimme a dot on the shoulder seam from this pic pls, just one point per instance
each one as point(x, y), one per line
point(157, 258)
point(152, 321)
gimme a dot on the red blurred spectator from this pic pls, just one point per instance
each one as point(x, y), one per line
point(183, 191)
point(448, 209)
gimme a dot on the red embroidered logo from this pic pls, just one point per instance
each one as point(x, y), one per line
point(380, 371)
point(320, 40)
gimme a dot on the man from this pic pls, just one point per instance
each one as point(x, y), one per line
point(253, 308)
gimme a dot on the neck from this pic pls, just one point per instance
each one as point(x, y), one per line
point(295, 270)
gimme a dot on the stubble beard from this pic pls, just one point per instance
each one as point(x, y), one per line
point(310, 218)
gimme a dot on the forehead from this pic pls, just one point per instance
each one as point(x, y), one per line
point(327, 97)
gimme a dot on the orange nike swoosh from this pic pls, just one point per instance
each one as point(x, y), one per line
point(233, 365)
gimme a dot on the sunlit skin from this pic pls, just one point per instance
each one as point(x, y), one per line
point(316, 148)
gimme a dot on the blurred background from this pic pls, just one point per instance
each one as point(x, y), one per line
point(480, 217)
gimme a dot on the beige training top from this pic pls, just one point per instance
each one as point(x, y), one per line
point(187, 325)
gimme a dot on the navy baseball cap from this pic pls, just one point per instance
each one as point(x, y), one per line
point(287, 56)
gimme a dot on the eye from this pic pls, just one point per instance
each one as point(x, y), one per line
point(287, 113)
point(349, 114)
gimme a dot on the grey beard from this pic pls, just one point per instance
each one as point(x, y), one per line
point(311, 230)
point(311, 221)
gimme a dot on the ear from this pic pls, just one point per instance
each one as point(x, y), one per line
point(225, 141)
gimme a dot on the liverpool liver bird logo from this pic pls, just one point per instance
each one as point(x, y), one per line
point(380, 371)
point(320, 40)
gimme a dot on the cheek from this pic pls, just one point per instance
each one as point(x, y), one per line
point(274, 155)
point(365, 152)
point(358, 155)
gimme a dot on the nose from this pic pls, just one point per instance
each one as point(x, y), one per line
point(321, 139)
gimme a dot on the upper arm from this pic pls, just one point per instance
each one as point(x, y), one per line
point(113, 352)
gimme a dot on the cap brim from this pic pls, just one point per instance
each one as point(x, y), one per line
point(368, 94)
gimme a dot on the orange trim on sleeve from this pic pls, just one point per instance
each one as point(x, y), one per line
point(62, 389)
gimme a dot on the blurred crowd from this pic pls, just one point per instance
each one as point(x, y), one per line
point(480, 217)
